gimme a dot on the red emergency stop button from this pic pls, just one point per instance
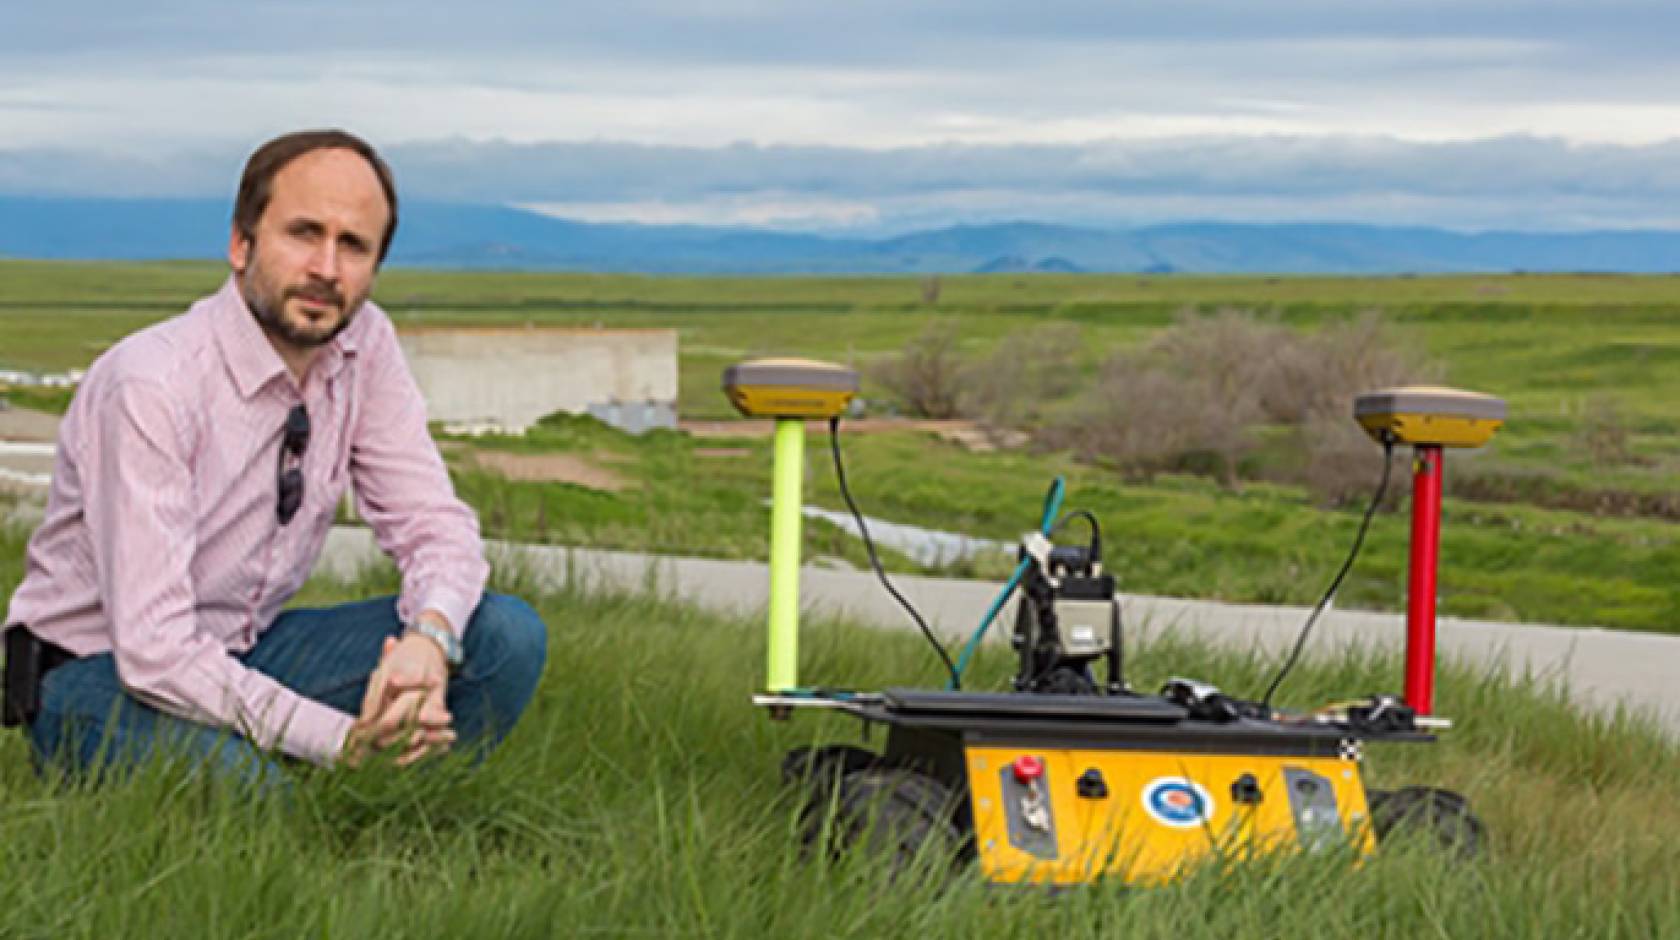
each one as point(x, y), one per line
point(1027, 768)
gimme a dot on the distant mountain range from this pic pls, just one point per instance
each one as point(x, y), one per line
point(491, 237)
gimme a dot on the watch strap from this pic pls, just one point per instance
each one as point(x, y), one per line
point(452, 652)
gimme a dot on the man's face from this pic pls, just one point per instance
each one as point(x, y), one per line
point(315, 252)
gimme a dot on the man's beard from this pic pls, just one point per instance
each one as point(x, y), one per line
point(267, 303)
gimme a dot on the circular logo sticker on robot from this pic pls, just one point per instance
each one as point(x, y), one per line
point(1177, 802)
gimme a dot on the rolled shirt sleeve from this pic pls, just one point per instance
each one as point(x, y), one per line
point(140, 510)
point(404, 493)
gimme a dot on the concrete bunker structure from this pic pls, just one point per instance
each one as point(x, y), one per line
point(502, 379)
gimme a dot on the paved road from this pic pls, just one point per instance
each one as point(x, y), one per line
point(1601, 667)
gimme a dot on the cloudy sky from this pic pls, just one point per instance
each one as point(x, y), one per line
point(871, 116)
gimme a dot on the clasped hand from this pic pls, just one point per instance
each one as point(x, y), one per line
point(404, 705)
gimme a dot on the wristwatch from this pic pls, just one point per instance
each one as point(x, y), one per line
point(452, 652)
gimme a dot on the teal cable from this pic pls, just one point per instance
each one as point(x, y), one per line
point(1052, 507)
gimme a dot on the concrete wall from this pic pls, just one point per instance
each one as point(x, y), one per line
point(508, 378)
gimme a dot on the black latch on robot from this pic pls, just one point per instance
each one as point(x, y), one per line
point(1245, 791)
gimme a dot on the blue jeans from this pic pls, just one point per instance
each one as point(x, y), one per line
point(89, 724)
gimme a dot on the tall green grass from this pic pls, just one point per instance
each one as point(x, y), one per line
point(640, 797)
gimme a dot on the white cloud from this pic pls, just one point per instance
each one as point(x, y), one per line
point(964, 85)
point(787, 211)
point(868, 113)
point(1510, 182)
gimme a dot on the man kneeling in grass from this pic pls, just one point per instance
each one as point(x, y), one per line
point(199, 468)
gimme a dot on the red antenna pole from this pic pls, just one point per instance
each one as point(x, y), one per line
point(1420, 599)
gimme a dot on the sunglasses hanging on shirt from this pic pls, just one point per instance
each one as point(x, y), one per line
point(294, 440)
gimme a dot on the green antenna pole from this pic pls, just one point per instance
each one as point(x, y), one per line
point(786, 496)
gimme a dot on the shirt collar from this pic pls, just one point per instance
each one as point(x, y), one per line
point(250, 357)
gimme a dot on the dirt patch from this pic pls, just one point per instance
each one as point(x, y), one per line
point(550, 468)
point(721, 453)
point(977, 439)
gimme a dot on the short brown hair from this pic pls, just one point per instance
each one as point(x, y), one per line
point(256, 186)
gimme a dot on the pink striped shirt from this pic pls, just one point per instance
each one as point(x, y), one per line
point(161, 543)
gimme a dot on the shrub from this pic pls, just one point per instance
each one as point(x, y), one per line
point(1195, 397)
point(1603, 433)
point(930, 290)
point(1017, 385)
point(1342, 464)
point(1328, 370)
point(1133, 420)
point(1187, 399)
point(1320, 373)
point(926, 375)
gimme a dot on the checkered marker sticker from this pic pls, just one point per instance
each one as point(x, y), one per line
point(1350, 749)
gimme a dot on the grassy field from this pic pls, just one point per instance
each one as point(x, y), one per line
point(1542, 341)
point(640, 797)
point(1179, 536)
point(1542, 530)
